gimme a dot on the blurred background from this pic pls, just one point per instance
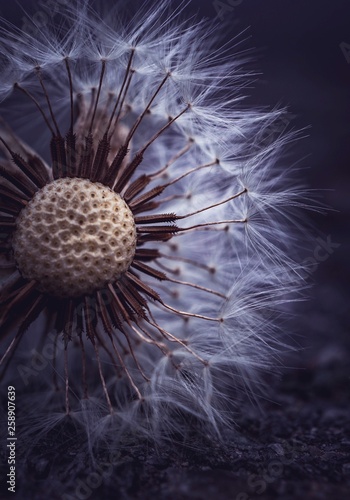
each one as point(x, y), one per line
point(303, 53)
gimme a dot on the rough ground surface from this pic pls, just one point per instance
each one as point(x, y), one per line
point(299, 448)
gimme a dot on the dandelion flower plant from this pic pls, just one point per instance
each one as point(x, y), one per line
point(145, 222)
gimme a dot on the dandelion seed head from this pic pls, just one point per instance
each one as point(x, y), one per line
point(150, 234)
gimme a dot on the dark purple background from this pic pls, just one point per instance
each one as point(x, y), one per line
point(297, 49)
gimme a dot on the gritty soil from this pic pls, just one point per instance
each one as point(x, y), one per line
point(297, 447)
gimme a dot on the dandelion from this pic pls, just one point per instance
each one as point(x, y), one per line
point(143, 224)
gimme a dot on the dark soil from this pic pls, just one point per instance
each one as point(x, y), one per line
point(295, 448)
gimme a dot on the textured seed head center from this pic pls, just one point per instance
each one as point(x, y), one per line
point(74, 237)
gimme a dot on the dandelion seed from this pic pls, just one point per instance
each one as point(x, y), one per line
point(146, 234)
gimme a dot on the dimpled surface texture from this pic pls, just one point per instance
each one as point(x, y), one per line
point(74, 237)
